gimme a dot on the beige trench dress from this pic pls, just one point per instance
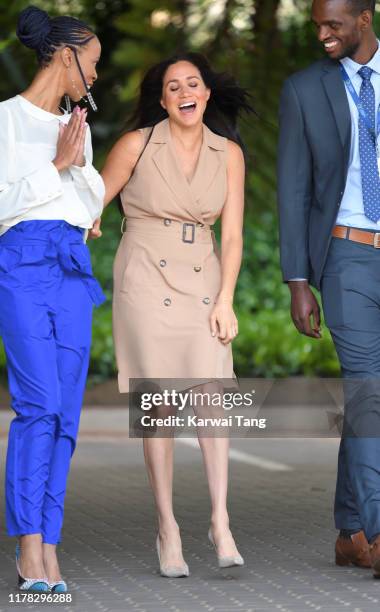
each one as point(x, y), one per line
point(167, 270)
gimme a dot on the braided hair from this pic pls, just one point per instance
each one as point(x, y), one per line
point(36, 30)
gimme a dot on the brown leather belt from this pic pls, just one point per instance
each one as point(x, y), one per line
point(357, 235)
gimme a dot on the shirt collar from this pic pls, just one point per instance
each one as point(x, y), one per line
point(40, 113)
point(353, 68)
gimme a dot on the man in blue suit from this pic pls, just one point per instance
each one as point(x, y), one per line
point(329, 206)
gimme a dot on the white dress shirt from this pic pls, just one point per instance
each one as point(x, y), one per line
point(31, 188)
point(351, 211)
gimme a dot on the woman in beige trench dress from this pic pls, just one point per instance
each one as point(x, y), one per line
point(173, 293)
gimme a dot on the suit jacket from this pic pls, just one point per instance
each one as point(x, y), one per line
point(313, 158)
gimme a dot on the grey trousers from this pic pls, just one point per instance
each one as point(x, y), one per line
point(351, 303)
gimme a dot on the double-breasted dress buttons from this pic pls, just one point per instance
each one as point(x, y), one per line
point(167, 301)
point(206, 300)
point(197, 268)
point(167, 221)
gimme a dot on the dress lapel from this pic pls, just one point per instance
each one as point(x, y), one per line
point(208, 164)
point(167, 165)
point(206, 170)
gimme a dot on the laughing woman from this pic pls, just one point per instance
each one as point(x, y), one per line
point(50, 194)
point(180, 169)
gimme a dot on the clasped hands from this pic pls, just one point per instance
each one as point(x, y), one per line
point(70, 150)
point(71, 141)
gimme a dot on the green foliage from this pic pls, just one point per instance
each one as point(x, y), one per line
point(268, 343)
point(246, 38)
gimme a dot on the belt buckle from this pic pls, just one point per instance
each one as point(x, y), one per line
point(122, 228)
point(376, 240)
point(184, 226)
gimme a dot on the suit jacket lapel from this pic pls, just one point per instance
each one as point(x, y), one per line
point(336, 92)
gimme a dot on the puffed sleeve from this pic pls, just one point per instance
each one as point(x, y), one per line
point(18, 192)
point(88, 181)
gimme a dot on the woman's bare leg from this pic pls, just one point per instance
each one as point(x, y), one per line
point(158, 454)
point(215, 457)
point(31, 558)
point(51, 564)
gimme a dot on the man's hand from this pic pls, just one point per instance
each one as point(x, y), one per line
point(303, 306)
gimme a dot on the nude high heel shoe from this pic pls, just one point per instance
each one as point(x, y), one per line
point(225, 561)
point(171, 572)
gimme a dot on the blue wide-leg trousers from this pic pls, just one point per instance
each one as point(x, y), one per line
point(47, 294)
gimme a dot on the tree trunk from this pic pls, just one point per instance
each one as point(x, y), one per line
point(264, 21)
point(267, 47)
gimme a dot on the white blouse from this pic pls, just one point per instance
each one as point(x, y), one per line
point(31, 188)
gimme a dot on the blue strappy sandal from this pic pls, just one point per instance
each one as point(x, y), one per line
point(58, 587)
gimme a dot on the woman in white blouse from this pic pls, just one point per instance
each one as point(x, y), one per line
point(50, 195)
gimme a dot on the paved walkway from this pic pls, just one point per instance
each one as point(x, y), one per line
point(280, 506)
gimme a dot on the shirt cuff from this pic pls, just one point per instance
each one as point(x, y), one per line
point(85, 176)
point(45, 183)
point(297, 279)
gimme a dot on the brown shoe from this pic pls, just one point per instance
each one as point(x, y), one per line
point(374, 551)
point(354, 551)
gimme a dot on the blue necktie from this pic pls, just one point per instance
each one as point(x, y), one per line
point(367, 149)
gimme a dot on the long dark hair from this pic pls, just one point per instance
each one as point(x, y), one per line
point(227, 101)
point(36, 30)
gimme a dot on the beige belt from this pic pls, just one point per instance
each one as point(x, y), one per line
point(188, 232)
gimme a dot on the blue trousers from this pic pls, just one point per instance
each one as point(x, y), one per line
point(351, 304)
point(47, 294)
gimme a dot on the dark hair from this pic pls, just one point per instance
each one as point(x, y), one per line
point(227, 101)
point(36, 30)
point(358, 6)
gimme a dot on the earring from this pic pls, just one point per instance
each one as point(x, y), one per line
point(89, 97)
point(91, 101)
point(76, 88)
point(68, 103)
